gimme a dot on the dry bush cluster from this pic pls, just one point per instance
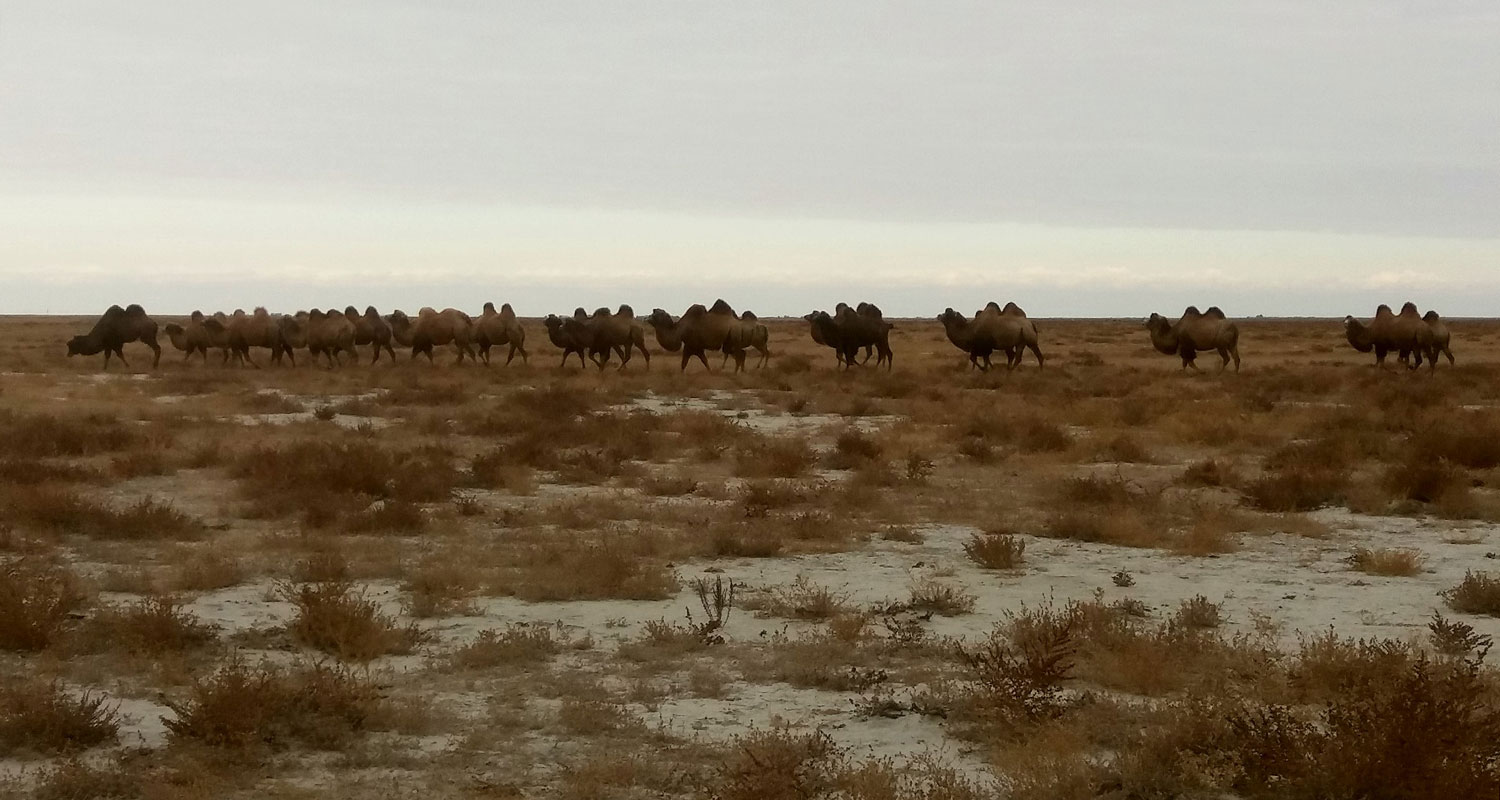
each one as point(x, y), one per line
point(47, 717)
point(254, 708)
point(337, 619)
point(36, 599)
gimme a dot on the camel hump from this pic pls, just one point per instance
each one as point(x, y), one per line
point(1215, 312)
point(626, 311)
point(749, 316)
point(869, 309)
point(196, 316)
point(992, 306)
point(506, 309)
point(489, 308)
point(213, 326)
point(1192, 311)
point(1431, 316)
point(351, 311)
point(135, 310)
point(173, 329)
point(721, 307)
point(1410, 310)
point(1383, 309)
point(1011, 309)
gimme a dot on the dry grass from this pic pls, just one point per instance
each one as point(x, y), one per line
point(243, 708)
point(938, 597)
point(516, 645)
point(36, 600)
point(802, 599)
point(153, 626)
point(1390, 562)
point(996, 550)
point(47, 718)
point(1477, 593)
point(61, 510)
point(337, 619)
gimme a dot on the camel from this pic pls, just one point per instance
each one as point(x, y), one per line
point(863, 326)
point(755, 336)
point(701, 330)
point(279, 334)
point(200, 334)
point(118, 327)
point(1388, 332)
point(328, 333)
point(850, 331)
point(619, 332)
point(372, 329)
point(502, 327)
point(818, 337)
point(571, 334)
point(1440, 337)
point(432, 327)
point(1196, 332)
point(992, 329)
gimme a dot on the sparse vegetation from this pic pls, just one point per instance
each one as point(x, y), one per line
point(245, 708)
point(996, 549)
point(49, 718)
point(36, 599)
point(1390, 562)
point(1477, 593)
point(338, 619)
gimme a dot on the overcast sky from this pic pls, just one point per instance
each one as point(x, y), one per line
point(1114, 159)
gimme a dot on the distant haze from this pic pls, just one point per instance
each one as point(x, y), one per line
point(1111, 159)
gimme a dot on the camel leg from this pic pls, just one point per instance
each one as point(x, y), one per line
point(765, 356)
point(1224, 359)
point(107, 352)
point(156, 352)
point(685, 357)
point(704, 358)
point(1036, 350)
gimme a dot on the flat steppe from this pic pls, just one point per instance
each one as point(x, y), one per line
point(1104, 578)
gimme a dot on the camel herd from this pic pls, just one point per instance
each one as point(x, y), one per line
point(701, 330)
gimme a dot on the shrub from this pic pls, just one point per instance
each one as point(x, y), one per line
point(1021, 679)
point(154, 625)
point(944, 599)
point(804, 599)
point(1477, 593)
point(1209, 472)
point(1400, 562)
point(1422, 479)
point(49, 435)
point(393, 515)
point(241, 707)
point(774, 457)
point(1198, 613)
point(852, 448)
point(336, 619)
point(517, 644)
point(779, 765)
point(996, 550)
point(1298, 489)
point(35, 601)
point(46, 718)
point(64, 510)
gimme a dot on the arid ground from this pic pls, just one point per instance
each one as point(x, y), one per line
point(1105, 578)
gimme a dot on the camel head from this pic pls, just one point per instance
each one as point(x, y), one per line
point(552, 322)
point(1158, 324)
point(949, 317)
point(659, 318)
point(77, 345)
point(178, 336)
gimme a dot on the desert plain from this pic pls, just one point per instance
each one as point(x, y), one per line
point(1108, 577)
